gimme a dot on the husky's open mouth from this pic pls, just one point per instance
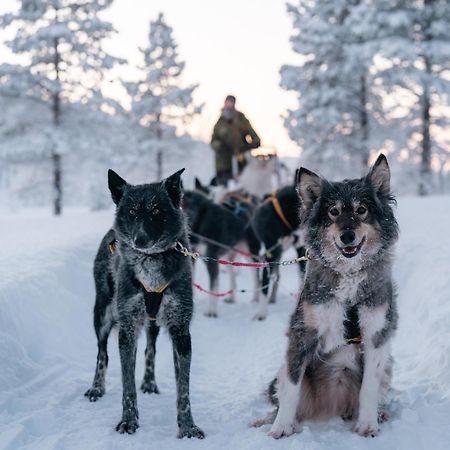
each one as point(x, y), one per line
point(351, 251)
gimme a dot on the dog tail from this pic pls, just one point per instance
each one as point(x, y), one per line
point(271, 392)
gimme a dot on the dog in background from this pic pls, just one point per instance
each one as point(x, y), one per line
point(142, 280)
point(276, 222)
point(338, 359)
point(219, 224)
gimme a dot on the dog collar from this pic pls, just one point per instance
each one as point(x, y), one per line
point(112, 246)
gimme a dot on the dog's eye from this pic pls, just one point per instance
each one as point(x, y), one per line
point(333, 212)
point(132, 212)
point(361, 210)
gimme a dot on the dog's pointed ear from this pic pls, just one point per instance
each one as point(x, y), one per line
point(309, 186)
point(116, 186)
point(380, 176)
point(174, 187)
point(198, 184)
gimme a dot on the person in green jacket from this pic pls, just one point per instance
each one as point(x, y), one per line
point(233, 136)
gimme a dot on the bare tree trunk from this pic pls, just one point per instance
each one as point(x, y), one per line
point(425, 167)
point(57, 205)
point(364, 122)
point(56, 157)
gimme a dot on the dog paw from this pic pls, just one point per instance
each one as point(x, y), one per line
point(190, 432)
point(284, 430)
point(383, 416)
point(260, 316)
point(366, 429)
point(127, 426)
point(211, 314)
point(258, 423)
point(94, 393)
point(149, 388)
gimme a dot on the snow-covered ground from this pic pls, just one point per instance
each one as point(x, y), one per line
point(48, 348)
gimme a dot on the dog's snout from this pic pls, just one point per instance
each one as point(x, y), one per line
point(140, 240)
point(348, 237)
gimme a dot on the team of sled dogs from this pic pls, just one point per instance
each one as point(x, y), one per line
point(338, 359)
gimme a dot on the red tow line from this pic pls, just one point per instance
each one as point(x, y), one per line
point(212, 294)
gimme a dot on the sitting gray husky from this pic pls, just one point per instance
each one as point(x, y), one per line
point(338, 359)
point(142, 280)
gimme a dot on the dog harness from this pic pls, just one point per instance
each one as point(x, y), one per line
point(352, 331)
point(239, 204)
point(153, 299)
point(278, 209)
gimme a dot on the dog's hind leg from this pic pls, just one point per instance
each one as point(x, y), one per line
point(148, 385)
point(232, 274)
point(182, 351)
point(213, 271)
point(267, 420)
point(103, 323)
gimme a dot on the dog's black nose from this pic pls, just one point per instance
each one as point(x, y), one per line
point(347, 237)
point(140, 240)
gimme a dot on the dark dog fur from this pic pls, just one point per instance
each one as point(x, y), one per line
point(350, 231)
point(219, 224)
point(148, 224)
point(271, 230)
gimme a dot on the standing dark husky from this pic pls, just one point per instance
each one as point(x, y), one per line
point(141, 279)
point(338, 359)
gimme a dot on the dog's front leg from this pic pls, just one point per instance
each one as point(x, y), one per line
point(256, 284)
point(263, 304)
point(148, 385)
point(213, 271)
point(376, 358)
point(127, 349)
point(182, 361)
point(300, 348)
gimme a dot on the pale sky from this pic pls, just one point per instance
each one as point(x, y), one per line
point(230, 47)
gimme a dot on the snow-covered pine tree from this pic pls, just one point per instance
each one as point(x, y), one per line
point(159, 101)
point(59, 44)
point(432, 36)
point(331, 122)
point(416, 46)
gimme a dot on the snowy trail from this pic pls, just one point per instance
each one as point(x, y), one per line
point(48, 348)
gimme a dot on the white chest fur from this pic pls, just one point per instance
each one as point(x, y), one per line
point(348, 287)
point(149, 275)
point(329, 320)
